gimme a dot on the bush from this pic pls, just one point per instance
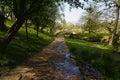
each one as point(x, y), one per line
point(92, 37)
point(95, 37)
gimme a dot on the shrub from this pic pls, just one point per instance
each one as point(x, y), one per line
point(92, 37)
point(95, 37)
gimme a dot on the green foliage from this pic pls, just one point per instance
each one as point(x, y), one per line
point(91, 18)
point(9, 23)
point(47, 16)
point(94, 37)
point(98, 55)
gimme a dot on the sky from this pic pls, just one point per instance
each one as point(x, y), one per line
point(72, 15)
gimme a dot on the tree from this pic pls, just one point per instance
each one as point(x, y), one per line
point(26, 29)
point(114, 36)
point(19, 10)
point(91, 19)
point(22, 10)
point(112, 3)
point(48, 18)
point(113, 27)
point(2, 15)
point(2, 21)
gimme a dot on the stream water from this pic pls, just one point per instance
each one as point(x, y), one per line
point(65, 67)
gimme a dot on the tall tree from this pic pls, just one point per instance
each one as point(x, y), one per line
point(91, 19)
point(2, 14)
point(19, 10)
point(23, 9)
point(115, 34)
point(26, 29)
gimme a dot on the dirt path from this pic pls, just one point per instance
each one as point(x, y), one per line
point(53, 63)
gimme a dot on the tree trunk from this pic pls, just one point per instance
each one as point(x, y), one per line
point(89, 33)
point(113, 35)
point(89, 30)
point(26, 29)
point(37, 30)
point(11, 33)
point(2, 18)
point(2, 21)
point(2, 25)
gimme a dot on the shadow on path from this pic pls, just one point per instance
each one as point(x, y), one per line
point(53, 63)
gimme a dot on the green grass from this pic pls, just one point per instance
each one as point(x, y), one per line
point(20, 49)
point(100, 56)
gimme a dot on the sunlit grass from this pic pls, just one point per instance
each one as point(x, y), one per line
point(99, 55)
point(20, 49)
point(88, 44)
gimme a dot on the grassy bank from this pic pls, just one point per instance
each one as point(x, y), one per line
point(20, 49)
point(100, 56)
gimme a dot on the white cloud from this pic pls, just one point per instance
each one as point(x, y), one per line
point(74, 15)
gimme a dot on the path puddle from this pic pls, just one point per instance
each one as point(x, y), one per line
point(66, 69)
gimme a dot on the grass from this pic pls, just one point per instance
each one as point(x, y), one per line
point(20, 49)
point(100, 56)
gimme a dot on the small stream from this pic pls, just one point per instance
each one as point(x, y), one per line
point(65, 66)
